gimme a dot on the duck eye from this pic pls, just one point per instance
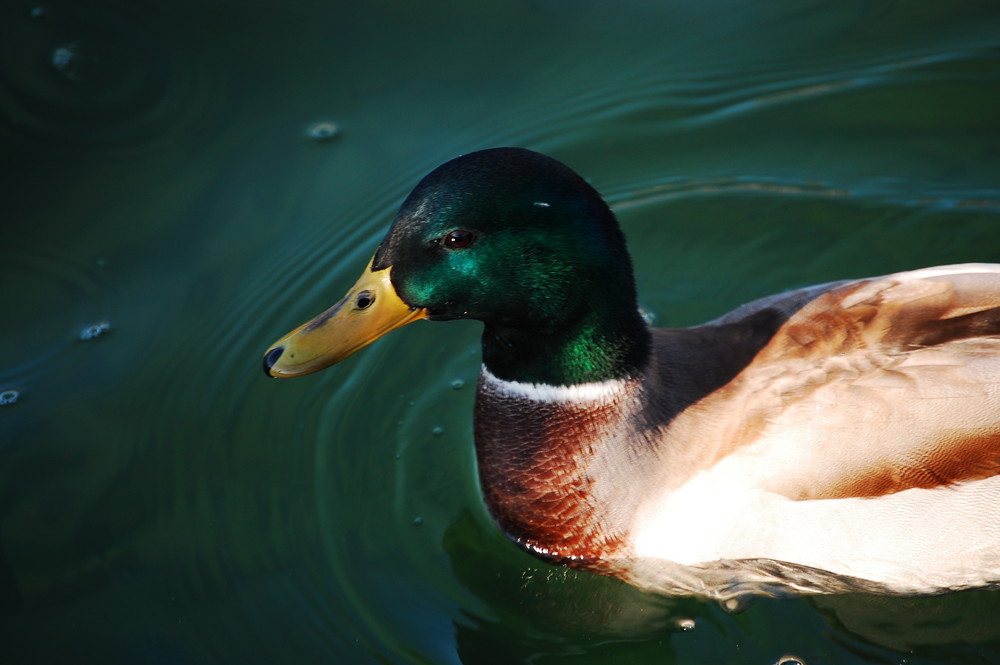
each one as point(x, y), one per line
point(365, 299)
point(458, 239)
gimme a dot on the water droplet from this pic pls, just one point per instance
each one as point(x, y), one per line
point(685, 624)
point(322, 131)
point(734, 605)
point(418, 520)
point(457, 384)
point(63, 58)
point(9, 396)
point(437, 431)
point(95, 330)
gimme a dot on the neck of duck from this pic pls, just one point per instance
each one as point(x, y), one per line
point(561, 466)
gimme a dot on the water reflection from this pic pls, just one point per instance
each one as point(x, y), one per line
point(952, 625)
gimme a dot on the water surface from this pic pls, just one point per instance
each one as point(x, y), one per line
point(161, 501)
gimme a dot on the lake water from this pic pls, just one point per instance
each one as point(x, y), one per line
point(161, 501)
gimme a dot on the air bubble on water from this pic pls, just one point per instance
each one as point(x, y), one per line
point(322, 131)
point(437, 431)
point(63, 58)
point(37, 12)
point(647, 315)
point(457, 384)
point(9, 396)
point(790, 660)
point(95, 330)
point(418, 520)
point(738, 603)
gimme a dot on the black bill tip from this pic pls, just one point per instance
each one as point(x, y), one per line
point(272, 357)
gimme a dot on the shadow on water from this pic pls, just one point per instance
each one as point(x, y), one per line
point(554, 612)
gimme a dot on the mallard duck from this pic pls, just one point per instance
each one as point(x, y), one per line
point(841, 437)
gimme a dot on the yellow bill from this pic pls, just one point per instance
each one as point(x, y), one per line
point(370, 309)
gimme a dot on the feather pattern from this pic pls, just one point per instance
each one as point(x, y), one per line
point(845, 436)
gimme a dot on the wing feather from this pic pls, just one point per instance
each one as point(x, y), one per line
point(876, 387)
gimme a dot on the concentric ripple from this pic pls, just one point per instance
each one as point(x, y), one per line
point(100, 73)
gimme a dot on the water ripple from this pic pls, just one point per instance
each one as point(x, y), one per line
point(665, 97)
point(888, 191)
point(49, 299)
point(103, 73)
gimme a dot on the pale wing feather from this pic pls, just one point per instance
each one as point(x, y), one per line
point(864, 439)
point(874, 381)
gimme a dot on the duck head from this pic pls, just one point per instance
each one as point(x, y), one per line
point(506, 236)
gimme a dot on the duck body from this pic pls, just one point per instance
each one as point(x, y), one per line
point(818, 454)
point(842, 437)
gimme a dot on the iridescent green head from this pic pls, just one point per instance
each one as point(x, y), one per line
point(520, 242)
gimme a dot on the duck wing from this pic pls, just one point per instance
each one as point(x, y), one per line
point(859, 446)
point(877, 386)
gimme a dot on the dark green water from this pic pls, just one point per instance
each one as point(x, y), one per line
point(162, 502)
